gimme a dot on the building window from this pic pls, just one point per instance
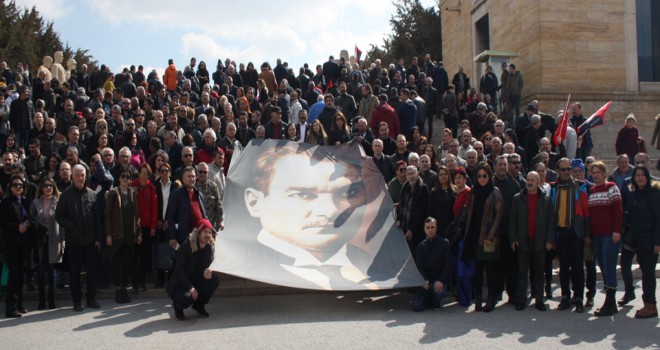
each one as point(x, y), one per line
point(648, 40)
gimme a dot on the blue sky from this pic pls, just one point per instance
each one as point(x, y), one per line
point(119, 33)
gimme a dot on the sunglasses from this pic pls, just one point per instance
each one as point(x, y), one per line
point(482, 176)
point(401, 170)
point(164, 170)
point(130, 124)
point(139, 115)
point(48, 186)
point(17, 185)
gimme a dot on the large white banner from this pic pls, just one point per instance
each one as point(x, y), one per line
point(311, 217)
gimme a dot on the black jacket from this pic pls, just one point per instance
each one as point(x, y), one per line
point(76, 213)
point(418, 212)
point(10, 218)
point(189, 267)
point(434, 260)
point(645, 211)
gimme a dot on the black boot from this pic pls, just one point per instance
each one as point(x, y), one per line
point(127, 298)
point(628, 297)
point(490, 304)
point(478, 303)
point(609, 307)
point(51, 299)
point(119, 296)
point(42, 302)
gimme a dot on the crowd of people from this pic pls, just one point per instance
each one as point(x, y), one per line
point(116, 172)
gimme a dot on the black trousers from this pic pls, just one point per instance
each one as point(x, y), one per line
point(536, 262)
point(79, 255)
point(45, 271)
point(549, 257)
point(590, 268)
point(182, 299)
point(647, 261)
point(16, 258)
point(492, 277)
point(122, 264)
point(627, 257)
point(570, 250)
point(509, 267)
point(143, 258)
point(429, 132)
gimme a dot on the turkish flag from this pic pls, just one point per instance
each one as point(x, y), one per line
point(358, 53)
point(560, 133)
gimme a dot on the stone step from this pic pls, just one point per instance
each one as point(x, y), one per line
point(231, 286)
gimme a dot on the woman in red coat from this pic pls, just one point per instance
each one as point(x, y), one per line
point(628, 140)
point(148, 207)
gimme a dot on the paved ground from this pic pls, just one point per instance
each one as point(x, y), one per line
point(323, 321)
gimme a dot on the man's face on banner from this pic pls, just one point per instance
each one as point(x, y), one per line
point(307, 202)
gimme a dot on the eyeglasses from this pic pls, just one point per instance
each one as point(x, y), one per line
point(202, 171)
point(102, 126)
point(563, 170)
point(17, 185)
point(164, 170)
point(107, 155)
point(139, 115)
point(401, 170)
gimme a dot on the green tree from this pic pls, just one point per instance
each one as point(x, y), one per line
point(26, 37)
point(416, 31)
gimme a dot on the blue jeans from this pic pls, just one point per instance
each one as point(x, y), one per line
point(426, 297)
point(607, 254)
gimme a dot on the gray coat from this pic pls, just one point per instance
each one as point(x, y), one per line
point(55, 236)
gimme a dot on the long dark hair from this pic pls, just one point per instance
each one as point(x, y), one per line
point(647, 175)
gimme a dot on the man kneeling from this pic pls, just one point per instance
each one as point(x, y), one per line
point(435, 263)
point(193, 282)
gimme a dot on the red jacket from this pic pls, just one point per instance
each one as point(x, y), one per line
point(147, 201)
point(385, 113)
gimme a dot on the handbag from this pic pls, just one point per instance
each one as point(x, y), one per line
point(162, 257)
point(490, 248)
point(456, 228)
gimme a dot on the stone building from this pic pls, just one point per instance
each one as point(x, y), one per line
point(597, 50)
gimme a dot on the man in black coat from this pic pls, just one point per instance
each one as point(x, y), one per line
point(331, 71)
point(531, 233)
point(412, 208)
point(21, 114)
point(76, 213)
point(508, 188)
point(435, 262)
point(275, 128)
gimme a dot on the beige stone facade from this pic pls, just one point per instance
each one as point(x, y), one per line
point(587, 48)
